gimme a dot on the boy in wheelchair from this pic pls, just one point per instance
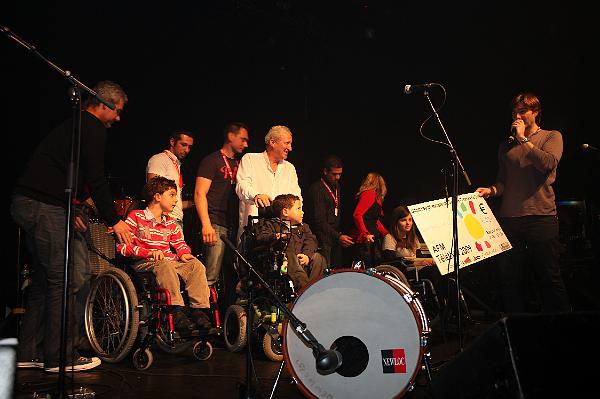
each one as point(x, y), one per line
point(287, 233)
point(156, 235)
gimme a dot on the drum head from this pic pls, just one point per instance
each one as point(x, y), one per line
point(371, 321)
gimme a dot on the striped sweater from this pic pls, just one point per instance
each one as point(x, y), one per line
point(151, 235)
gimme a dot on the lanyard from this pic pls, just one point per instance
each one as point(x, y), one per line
point(335, 197)
point(176, 167)
point(228, 172)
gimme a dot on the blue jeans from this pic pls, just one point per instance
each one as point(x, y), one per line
point(213, 255)
point(535, 246)
point(44, 226)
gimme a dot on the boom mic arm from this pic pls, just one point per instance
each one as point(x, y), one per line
point(409, 89)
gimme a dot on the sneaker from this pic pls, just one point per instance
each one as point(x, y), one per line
point(201, 319)
point(82, 363)
point(31, 364)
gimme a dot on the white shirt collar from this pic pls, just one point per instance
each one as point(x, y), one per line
point(150, 216)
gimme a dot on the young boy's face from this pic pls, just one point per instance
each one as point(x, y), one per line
point(168, 200)
point(295, 213)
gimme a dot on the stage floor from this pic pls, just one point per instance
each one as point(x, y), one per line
point(554, 351)
point(183, 376)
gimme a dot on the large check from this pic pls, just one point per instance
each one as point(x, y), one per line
point(479, 234)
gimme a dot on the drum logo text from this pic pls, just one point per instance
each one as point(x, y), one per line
point(393, 361)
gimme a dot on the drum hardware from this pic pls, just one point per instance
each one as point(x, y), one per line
point(277, 379)
point(357, 265)
point(327, 360)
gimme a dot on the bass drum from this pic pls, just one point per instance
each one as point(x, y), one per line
point(376, 324)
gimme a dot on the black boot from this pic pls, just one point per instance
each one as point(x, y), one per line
point(200, 317)
point(181, 322)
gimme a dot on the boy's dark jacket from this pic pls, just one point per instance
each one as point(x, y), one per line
point(302, 240)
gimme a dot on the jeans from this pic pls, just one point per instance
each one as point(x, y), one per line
point(300, 275)
point(535, 246)
point(213, 255)
point(333, 255)
point(44, 226)
point(81, 277)
point(369, 253)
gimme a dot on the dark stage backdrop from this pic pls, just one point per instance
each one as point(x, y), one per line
point(333, 71)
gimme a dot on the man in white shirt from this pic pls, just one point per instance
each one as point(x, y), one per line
point(264, 175)
point(168, 164)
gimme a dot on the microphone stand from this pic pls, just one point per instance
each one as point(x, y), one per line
point(70, 188)
point(456, 165)
point(318, 350)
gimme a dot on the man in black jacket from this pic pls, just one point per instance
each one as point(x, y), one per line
point(39, 207)
point(322, 206)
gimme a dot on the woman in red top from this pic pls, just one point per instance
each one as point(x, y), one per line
point(368, 231)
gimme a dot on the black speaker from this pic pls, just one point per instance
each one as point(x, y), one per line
point(526, 356)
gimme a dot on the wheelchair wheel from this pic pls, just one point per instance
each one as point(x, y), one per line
point(142, 359)
point(202, 350)
point(111, 315)
point(234, 328)
point(272, 346)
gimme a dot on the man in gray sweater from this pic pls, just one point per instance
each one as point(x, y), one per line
point(527, 165)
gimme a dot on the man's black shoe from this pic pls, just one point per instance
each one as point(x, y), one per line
point(181, 323)
point(201, 319)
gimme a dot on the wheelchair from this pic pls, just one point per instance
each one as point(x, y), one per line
point(269, 261)
point(125, 310)
point(403, 270)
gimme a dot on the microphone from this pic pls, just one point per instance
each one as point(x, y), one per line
point(513, 133)
point(328, 360)
point(589, 147)
point(409, 89)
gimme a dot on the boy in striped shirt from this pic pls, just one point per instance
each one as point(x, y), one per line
point(158, 245)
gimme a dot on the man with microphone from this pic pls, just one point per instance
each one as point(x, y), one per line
point(527, 164)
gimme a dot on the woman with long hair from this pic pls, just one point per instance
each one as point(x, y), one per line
point(368, 230)
point(403, 242)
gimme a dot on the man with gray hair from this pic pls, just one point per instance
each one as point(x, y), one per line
point(264, 175)
point(39, 207)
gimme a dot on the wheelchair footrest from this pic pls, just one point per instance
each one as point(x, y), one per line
point(197, 333)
